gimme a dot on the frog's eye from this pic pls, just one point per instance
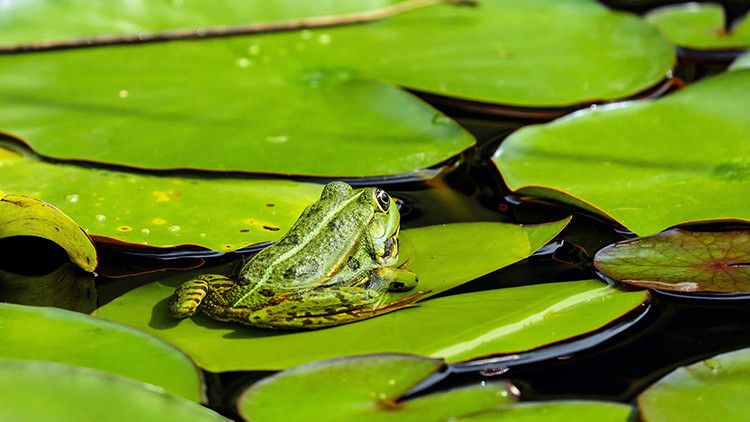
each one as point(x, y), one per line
point(383, 199)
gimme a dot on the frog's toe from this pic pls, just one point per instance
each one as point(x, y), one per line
point(186, 299)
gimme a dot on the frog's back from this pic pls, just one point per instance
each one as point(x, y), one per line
point(323, 238)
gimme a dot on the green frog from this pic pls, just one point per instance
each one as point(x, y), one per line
point(334, 266)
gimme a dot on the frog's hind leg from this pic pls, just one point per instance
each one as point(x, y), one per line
point(188, 297)
point(333, 306)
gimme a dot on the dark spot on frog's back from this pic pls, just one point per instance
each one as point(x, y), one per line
point(291, 239)
point(266, 292)
point(352, 263)
point(334, 225)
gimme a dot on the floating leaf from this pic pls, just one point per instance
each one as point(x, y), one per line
point(36, 333)
point(39, 391)
point(700, 26)
point(714, 389)
point(67, 287)
point(681, 260)
point(649, 165)
point(532, 53)
point(364, 388)
point(24, 216)
point(109, 104)
point(573, 410)
point(221, 214)
point(547, 312)
point(285, 116)
point(45, 21)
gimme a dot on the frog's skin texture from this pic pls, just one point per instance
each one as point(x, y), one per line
point(334, 266)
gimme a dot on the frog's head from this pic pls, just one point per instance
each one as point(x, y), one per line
point(384, 226)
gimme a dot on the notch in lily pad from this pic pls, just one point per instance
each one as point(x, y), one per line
point(681, 260)
point(364, 388)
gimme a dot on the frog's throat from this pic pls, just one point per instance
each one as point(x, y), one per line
point(305, 239)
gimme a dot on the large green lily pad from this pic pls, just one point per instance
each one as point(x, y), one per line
point(285, 116)
point(40, 21)
point(552, 411)
point(714, 389)
point(43, 391)
point(50, 334)
point(221, 214)
point(25, 216)
point(700, 26)
point(364, 388)
point(681, 260)
point(289, 102)
point(649, 165)
point(457, 327)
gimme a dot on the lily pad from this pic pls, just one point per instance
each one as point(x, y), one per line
point(526, 317)
point(37, 333)
point(681, 260)
point(452, 259)
point(38, 391)
point(700, 26)
point(67, 287)
point(577, 410)
point(221, 214)
point(44, 21)
point(365, 388)
point(108, 104)
point(714, 389)
point(649, 165)
point(24, 216)
point(285, 116)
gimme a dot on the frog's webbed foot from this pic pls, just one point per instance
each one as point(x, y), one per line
point(399, 278)
point(334, 306)
point(188, 297)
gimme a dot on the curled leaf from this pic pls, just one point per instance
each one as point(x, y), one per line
point(24, 216)
point(681, 260)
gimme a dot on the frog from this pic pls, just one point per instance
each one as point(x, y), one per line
point(335, 265)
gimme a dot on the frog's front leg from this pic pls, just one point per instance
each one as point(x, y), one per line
point(326, 308)
point(399, 278)
point(189, 297)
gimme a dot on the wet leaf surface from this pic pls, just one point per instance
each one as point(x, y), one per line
point(56, 335)
point(681, 260)
point(40, 391)
point(24, 216)
point(162, 211)
point(649, 165)
point(365, 388)
point(573, 410)
point(714, 389)
point(700, 26)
